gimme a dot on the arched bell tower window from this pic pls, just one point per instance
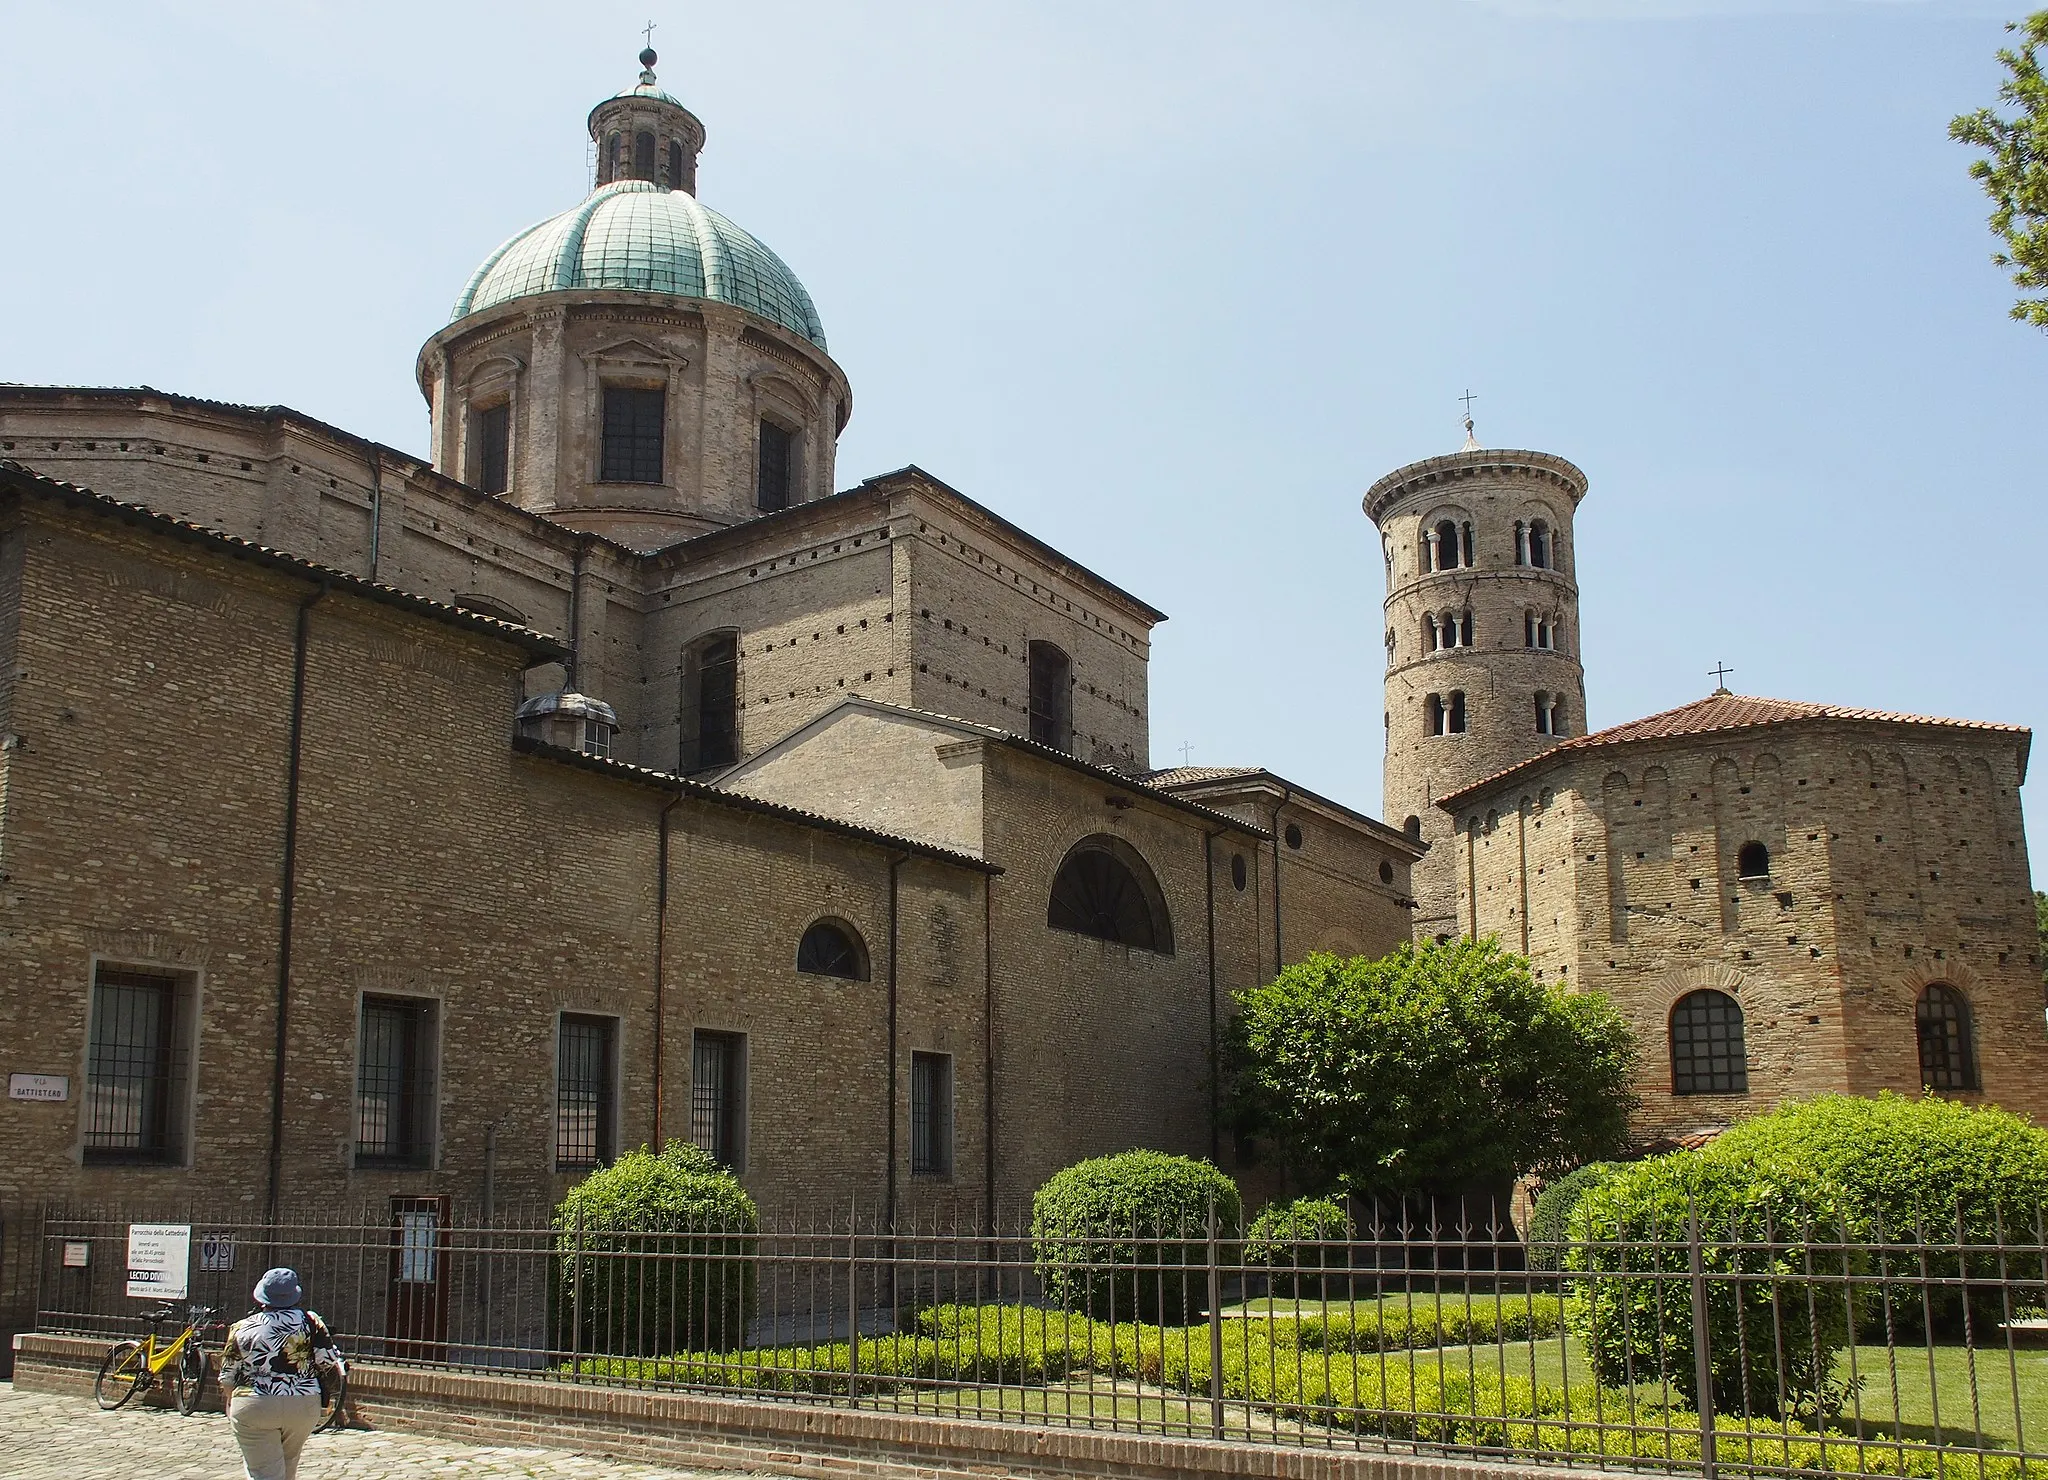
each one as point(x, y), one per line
point(710, 710)
point(1435, 710)
point(1539, 544)
point(1941, 1019)
point(1708, 1055)
point(832, 948)
point(1105, 889)
point(1448, 546)
point(1052, 696)
point(643, 155)
point(611, 158)
point(1454, 720)
point(675, 164)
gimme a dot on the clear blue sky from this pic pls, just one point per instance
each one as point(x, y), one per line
point(1171, 284)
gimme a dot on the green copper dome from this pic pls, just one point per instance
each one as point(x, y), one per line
point(634, 236)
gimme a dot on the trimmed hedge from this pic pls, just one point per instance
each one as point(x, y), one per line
point(1550, 1219)
point(1119, 1237)
point(1919, 1171)
point(1446, 1322)
point(1289, 1238)
point(664, 1245)
point(1772, 1336)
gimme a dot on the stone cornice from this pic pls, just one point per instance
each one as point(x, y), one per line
point(1455, 467)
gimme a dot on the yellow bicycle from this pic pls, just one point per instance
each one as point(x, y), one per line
point(131, 1367)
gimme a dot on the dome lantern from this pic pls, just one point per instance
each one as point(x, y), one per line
point(645, 134)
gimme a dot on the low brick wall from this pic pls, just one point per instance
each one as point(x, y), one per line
point(820, 1443)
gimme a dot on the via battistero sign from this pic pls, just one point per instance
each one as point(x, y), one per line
point(42, 1089)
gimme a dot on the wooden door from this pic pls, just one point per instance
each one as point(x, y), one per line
point(416, 1311)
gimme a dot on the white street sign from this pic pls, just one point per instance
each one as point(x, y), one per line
point(49, 1089)
point(159, 1260)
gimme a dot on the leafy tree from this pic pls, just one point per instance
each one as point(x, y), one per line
point(2015, 175)
point(1436, 1066)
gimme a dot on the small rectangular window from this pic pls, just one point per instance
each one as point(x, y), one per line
point(718, 1094)
point(633, 428)
point(395, 1083)
point(931, 1115)
point(137, 1067)
point(586, 1095)
point(777, 464)
point(494, 448)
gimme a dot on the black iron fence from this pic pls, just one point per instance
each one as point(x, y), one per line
point(1775, 1349)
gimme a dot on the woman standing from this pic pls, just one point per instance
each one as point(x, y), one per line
point(270, 1370)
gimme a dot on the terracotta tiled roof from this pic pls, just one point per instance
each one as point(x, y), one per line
point(1725, 711)
point(1189, 775)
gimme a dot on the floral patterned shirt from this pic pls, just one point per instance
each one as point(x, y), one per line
point(279, 1351)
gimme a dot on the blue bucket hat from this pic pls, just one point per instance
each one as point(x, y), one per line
point(279, 1288)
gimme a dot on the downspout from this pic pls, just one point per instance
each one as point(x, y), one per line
point(988, 1049)
point(376, 509)
point(889, 1194)
point(1215, 1055)
point(1279, 964)
point(287, 899)
point(660, 965)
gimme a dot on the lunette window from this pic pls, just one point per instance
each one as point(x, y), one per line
point(586, 1090)
point(830, 948)
point(1106, 890)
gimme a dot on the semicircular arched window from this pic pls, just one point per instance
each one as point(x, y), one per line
point(1941, 1018)
point(833, 948)
point(1105, 889)
point(1708, 1055)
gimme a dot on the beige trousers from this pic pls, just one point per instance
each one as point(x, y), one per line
point(272, 1429)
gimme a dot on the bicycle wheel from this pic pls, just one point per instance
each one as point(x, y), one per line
point(192, 1375)
point(331, 1417)
point(123, 1373)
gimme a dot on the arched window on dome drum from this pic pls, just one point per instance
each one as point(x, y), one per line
point(1948, 1058)
point(1106, 890)
point(634, 424)
point(675, 164)
point(1052, 695)
point(833, 948)
point(643, 156)
point(494, 448)
point(775, 467)
point(710, 727)
point(1708, 1056)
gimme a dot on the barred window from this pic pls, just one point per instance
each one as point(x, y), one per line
point(494, 448)
point(1948, 1059)
point(586, 1096)
point(633, 425)
point(395, 1083)
point(1707, 1052)
point(718, 1094)
point(931, 1115)
point(137, 1067)
point(775, 467)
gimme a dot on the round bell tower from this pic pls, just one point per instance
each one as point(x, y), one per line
point(1482, 637)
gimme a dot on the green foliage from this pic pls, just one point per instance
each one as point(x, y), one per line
point(1772, 1336)
point(2015, 172)
point(1113, 1236)
point(1394, 1325)
point(654, 1253)
point(1290, 1237)
point(1918, 1171)
point(1550, 1220)
point(1441, 1064)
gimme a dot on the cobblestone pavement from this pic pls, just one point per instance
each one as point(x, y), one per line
point(55, 1436)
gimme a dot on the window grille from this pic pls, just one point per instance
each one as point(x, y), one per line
point(774, 467)
point(931, 1115)
point(1708, 1056)
point(134, 1074)
point(1052, 696)
point(831, 949)
point(633, 430)
point(1947, 1057)
point(717, 1089)
point(586, 1102)
point(1099, 892)
point(494, 448)
point(711, 735)
point(395, 1083)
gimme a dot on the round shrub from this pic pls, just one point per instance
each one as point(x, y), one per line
point(1292, 1237)
point(1550, 1220)
point(1920, 1171)
point(1124, 1237)
point(1773, 1329)
point(655, 1254)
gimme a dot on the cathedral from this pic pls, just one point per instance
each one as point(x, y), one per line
point(427, 830)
